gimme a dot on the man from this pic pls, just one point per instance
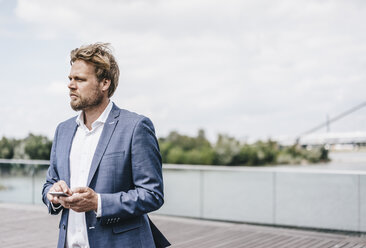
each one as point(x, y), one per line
point(106, 160)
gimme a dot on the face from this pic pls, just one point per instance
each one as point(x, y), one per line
point(85, 90)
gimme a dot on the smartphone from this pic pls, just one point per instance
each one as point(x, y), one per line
point(58, 194)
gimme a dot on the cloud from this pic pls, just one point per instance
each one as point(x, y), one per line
point(249, 68)
point(58, 88)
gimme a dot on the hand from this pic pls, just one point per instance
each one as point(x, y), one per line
point(83, 199)
point(60, 186)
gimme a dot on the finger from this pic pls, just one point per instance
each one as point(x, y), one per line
point(62, 182)
point(55, 200)
point(63, 185)
point(65, 199)
point(70, 199)
point(65, 188)
point(64, 203)
point(56, 187)
point(49, 197)
point(80, 189)
point(76, 209)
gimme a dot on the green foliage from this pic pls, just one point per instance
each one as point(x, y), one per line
point(7, 148)
point(296, 154)
point(32, 147)
point(37, 147)
point(225, 149)
point(176, 156)
point(182, 149)
point(259, 153)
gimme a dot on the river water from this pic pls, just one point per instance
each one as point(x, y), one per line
point(27, 189)
point(349, 160)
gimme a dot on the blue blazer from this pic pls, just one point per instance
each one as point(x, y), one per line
point(126, 171)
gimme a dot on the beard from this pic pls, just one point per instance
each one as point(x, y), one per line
point(82, 103)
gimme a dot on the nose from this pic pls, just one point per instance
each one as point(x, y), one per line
point(71, 84)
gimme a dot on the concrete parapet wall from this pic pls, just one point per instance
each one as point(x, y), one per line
point(275, 196)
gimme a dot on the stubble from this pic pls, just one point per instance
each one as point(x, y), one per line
point(90, 101)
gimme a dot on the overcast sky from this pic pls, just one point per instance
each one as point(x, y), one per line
point(251, 69)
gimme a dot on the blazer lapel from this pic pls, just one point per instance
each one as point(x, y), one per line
point(69, 136)
point(104, 139)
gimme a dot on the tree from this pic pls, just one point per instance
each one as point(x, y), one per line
point(7, 147)
point(226, 148)
point(37, 147)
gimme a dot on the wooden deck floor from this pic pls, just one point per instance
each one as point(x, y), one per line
point(31, 226)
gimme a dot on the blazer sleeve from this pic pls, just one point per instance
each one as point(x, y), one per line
point(147, 195)
point(51, 177)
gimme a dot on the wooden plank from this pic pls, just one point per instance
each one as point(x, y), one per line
point(33, 222)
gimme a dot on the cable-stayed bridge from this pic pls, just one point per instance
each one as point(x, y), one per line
point(334, 140)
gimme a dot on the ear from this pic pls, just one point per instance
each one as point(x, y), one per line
point(105, 84)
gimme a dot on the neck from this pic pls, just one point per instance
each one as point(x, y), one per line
point(92, 114)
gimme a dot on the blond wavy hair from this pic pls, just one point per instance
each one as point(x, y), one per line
point(100, 55)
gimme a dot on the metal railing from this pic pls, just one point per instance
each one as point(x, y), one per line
point(21, 179)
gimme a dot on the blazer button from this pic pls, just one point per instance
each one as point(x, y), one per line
point(63, 226)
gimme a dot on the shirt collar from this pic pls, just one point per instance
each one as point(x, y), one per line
point(101, 119)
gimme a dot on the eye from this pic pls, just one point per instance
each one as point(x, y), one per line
point(79, 79)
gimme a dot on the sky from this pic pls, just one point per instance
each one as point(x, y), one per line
point(250, 69)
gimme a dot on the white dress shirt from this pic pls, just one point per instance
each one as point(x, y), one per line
point(82, 151)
